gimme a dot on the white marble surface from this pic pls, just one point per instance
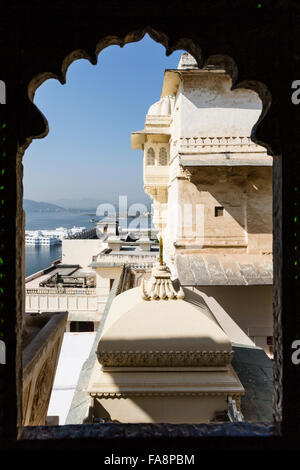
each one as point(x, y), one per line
point(74, 351)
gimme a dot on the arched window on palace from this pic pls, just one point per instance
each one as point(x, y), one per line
point(150, 156)
point(163, 157)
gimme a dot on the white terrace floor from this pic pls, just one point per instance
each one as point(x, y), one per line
point(75, 350)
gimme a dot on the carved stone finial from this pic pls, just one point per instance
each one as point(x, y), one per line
point(161, 287)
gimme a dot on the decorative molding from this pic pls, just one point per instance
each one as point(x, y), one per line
point(164, 358)
point(127, 394)
point(153, 121)
point(134, 261)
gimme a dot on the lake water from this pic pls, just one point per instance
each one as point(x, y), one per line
point(41, 257)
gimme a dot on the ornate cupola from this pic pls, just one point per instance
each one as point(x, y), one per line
point(154, 141)
point(162, 357)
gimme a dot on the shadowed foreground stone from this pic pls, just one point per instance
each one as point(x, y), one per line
point(146, 431)
point(255, 371)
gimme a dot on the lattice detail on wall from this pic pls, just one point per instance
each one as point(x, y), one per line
point(163, 157)
point(150, 160)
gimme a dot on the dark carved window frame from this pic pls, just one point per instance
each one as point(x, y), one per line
point(24, 70)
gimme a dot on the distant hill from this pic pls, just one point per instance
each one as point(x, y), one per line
point(80, 204)
point(35, 206)
point(90, 203)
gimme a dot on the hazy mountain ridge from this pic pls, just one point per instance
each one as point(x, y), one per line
point(79, 205)
point(88, 203)
point(35, 206)
point(82, 204)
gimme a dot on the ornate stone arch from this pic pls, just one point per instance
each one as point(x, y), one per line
point(262, 52)
point(37, 126)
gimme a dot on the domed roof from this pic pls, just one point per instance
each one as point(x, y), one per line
point(159, 330)
point(163, 107)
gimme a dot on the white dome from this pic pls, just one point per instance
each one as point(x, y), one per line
point(161, 333)
point(163, 107)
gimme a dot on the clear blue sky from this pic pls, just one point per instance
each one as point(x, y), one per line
point(87, 153)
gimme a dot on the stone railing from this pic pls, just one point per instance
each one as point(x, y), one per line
point(89, 233)
point(40, 300)
point(39, 359)
point(63, 290)
point(134, 261)
point(216, 145)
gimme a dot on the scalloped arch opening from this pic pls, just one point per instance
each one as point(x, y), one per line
point(92, 56)
point(187, 44)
